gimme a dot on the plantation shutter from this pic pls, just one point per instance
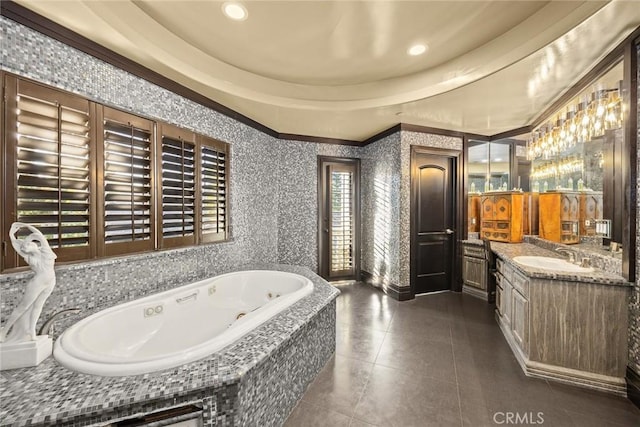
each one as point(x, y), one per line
point(49, 143)
point(127, 183)
point(214, 201)
point(178, 177)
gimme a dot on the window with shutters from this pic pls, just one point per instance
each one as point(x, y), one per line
point(48, 140)
point(177, 159)
point(101, 182)
point(214, 205)
point(126, 191)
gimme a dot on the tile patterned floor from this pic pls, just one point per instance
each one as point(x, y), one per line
point(437, 360)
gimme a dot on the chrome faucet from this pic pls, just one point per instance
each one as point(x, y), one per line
point(569, 252)
point(47, 327)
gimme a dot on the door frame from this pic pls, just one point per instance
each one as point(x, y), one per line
point(323, 262)
point(459, 213)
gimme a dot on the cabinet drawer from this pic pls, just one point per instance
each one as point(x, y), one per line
point(505, 269)
point(473, 251)
point(500, 236)
point(520, 283)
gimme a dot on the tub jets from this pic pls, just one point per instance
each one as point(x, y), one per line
point(186, 298)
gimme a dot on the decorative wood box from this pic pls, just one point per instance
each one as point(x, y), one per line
point(590, 209)
point(473, 220)
point(502, 216)
point(560, 216)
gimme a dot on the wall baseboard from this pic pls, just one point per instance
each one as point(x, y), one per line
point(394, 291)
point(633, 386)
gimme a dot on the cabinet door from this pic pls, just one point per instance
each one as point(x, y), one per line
point(507, 289)
point(474, 272)
point(520, 320)
point(569, 207)
point(499, 308)
point(502, 208)
point(487, 207)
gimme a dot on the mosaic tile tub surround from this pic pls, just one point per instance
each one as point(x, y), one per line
point(255, 381)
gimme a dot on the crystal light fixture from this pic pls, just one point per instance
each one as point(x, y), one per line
point(580, 122)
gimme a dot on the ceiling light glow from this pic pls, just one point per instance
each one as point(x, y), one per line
point(417, 49)
point(235, 11)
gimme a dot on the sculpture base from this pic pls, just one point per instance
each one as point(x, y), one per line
point(25, 354)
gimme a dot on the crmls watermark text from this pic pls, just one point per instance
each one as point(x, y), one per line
point(518, 418)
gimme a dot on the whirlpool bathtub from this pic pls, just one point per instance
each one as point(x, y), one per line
point(178, 326)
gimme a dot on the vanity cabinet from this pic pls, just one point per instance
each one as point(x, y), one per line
point(560, 216)
point(590, 208)
point(514, 314)
point(475, 272)
point(502, 216)
point(565, 330)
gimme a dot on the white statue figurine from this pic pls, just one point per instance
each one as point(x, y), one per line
point(21, 325)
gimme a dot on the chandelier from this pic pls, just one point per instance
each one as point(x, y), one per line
point(552, 170)
point(589, 118)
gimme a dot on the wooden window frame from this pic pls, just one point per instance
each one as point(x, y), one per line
point(12, 86)
point(187, 136)
point(220, 147)
point(127, 247)
point(97, 113)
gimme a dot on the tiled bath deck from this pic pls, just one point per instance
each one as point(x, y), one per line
point(254, 381)
point(438, 360)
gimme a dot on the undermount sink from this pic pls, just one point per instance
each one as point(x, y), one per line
point(551, 264)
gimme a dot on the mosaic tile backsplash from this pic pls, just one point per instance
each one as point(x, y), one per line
point(634, 309)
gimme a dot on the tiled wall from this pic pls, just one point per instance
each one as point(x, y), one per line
point(273, 182)
point(298, 199)
point(386, 175)
point(634, 312)
point(380, 195)
point(407, 140)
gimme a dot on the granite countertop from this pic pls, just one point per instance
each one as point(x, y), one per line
point(51, 394)
point(507, 251)
point(477, 242)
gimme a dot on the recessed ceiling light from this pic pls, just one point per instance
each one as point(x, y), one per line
point(235, 11)
point(417, 49)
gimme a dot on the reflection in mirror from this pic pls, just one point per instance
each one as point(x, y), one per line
point(489, 166)
point(478, 164)
point(580, 150)
point(499, 165)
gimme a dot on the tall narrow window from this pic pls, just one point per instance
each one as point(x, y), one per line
point(127, 183)
point(48, 148)
point(338, 218)
point(177, 157)
point(214, 190)
point(342, 218)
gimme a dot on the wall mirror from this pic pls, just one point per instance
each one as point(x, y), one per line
point(579, 148)
point(489, 166)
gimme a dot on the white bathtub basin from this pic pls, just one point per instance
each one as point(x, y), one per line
point(551, 264)
point(178, 326)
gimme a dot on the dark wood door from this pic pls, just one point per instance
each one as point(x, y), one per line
point(433, 234)
point(339, 218)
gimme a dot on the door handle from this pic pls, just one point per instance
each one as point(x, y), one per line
point(448, 231)
point(326, 230)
